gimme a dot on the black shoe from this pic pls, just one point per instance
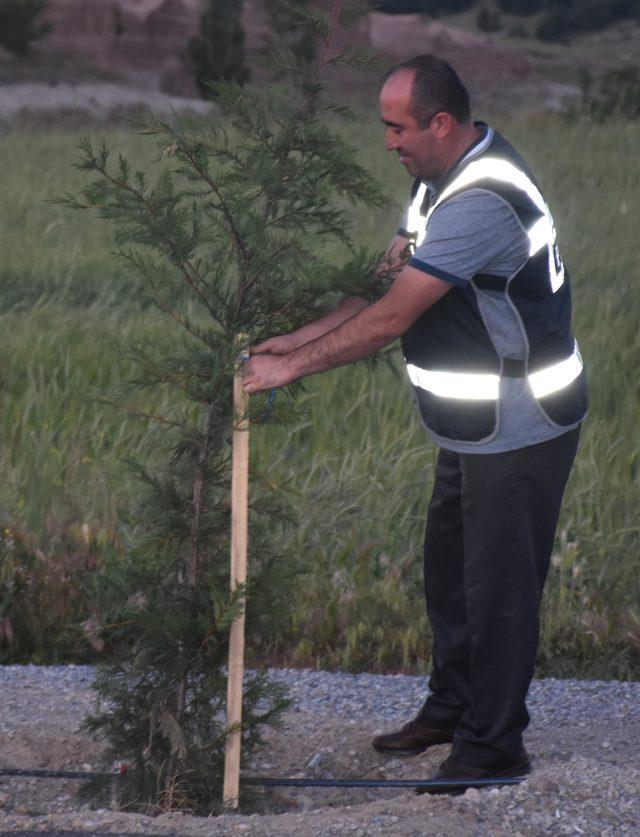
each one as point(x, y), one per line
point(465, 776)
point(412, 739)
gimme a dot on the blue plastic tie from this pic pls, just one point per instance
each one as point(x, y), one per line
point(267, 409)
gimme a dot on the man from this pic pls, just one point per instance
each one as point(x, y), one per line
point(483, 307)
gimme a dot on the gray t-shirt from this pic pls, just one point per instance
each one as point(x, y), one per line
point(478, 232)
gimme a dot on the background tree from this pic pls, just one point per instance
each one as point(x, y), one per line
point(19, 25)
point(560, 19)
point(432, 7)
point(231, 238)
point(520, 7)
point(218, 51)
point(290, 29)
point(556, 24)
point(488, 20)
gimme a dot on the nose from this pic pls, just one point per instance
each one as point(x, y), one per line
point(390, 140)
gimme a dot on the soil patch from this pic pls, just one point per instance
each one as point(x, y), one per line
point(585, 779)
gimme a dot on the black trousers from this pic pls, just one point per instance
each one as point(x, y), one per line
point(490, 531)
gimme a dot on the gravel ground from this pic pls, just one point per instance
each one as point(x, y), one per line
point(583, 738)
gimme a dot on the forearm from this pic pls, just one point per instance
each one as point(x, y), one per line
point(348, 306)
point(362, 334)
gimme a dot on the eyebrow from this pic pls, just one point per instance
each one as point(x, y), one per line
point(391, 124)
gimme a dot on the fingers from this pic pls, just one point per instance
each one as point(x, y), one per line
point(280, 345)
point(261, 348)
point(265, 372)
point(249, 386)
point(251, 380)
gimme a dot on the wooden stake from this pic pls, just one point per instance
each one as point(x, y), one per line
point(239, 530)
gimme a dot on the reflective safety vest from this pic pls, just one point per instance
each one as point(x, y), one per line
point(454, 366)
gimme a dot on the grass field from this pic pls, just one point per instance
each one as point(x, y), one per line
point(358, 466)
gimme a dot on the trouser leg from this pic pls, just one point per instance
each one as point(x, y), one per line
point(444, 587)
point(510, 505)
point(490, 532)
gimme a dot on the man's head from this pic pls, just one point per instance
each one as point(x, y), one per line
point(426, 110)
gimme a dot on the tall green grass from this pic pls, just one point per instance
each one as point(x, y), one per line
point(358, 465)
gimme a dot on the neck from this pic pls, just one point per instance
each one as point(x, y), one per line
point(467, 136)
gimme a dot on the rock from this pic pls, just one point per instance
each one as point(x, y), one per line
point(319, 760)
point(403, 36)
point(304, 802)
point(542, 784)
point(472, 794)
point(146, 41)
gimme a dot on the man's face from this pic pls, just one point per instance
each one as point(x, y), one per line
point(419, 149)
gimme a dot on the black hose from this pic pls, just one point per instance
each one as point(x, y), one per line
point(274, 781)
point(57, 774)
point(377, 783)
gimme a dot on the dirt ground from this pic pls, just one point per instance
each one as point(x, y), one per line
point(584, 781)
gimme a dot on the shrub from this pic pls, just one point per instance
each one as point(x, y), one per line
point(562, 19)
point(433, 7)
point(47, 601)
point(519, 7)
point(488, 20)
point(556, 25)
point(19, 24)
point(618, 95)
point(518, 30)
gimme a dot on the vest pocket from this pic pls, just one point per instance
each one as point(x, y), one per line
point(568, 405)
point(457, 419)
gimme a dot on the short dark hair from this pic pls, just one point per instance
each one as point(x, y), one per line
point(436, 87)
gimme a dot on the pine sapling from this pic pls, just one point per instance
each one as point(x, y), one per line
point(233, 236)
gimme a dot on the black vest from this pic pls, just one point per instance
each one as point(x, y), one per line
point(451, 359)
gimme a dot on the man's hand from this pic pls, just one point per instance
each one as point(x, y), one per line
point(281, 345)
point(265, 371)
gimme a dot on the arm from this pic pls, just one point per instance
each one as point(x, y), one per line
point(372, 328)
point(347, 308)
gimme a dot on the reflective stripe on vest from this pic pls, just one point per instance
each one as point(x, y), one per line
point(558, 376)
point(542, 233)
point(455, 384)
point(415, 223)
point(481, 387)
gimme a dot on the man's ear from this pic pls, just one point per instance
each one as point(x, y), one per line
point(442, 124)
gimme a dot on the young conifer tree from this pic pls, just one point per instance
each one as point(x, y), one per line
point(231, 238)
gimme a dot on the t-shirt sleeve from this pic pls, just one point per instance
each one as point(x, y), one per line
point(474, 232)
